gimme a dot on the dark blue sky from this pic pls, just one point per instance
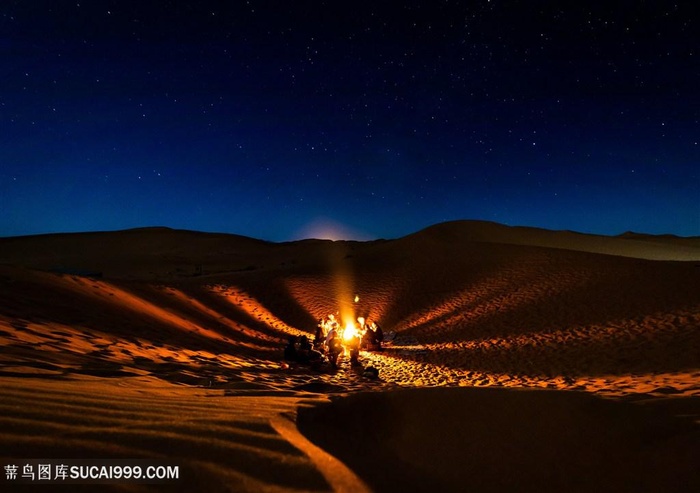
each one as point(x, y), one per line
point(280, 119)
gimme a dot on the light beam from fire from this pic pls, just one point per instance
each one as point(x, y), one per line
point(345, 298)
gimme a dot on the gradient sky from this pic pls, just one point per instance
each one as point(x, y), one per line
point(363, 119)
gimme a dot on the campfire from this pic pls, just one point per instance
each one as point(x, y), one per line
point(349, 331)
point(337, 334)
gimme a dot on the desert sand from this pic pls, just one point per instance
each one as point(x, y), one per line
point(522, 359)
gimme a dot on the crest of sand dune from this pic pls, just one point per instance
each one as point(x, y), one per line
point(635, 245)
point(166, 343)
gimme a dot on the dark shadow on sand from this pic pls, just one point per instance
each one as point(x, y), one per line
point(495, 440)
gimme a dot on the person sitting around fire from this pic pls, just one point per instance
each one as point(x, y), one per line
point(378, 336)
point(307, 354)
point(320, 334)
point(334, 346)
point(372, 337)
point(353, 346)
point(290, 350)
point(368, 338)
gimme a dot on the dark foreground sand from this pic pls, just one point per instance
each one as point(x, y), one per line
point(167, 345)
point(493, 440)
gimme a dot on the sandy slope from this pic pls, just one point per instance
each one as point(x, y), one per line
point(162, 343)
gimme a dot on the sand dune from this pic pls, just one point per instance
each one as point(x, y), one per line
point(164, 343)
point(630, 244)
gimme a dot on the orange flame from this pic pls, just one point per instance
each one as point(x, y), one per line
point(350, 331)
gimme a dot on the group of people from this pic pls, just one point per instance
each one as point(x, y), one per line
point(331, 340)
point(300, 350)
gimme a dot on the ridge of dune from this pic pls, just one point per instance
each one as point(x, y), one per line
point(130, 241)
point(131, 253)
point(635, 245)
point(166, 251)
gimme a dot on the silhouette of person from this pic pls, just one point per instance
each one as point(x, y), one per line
point(290, 350)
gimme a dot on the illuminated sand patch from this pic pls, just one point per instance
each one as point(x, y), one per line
point(128, 300)
point(493, 296)
point(412, 372)
point(219, 318)
point(255, 309)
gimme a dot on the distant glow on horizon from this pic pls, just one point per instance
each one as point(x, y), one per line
point(327, 229)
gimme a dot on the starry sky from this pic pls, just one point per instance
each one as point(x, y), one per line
point(348, 119)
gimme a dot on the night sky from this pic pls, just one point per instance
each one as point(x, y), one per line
point(360, 119)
